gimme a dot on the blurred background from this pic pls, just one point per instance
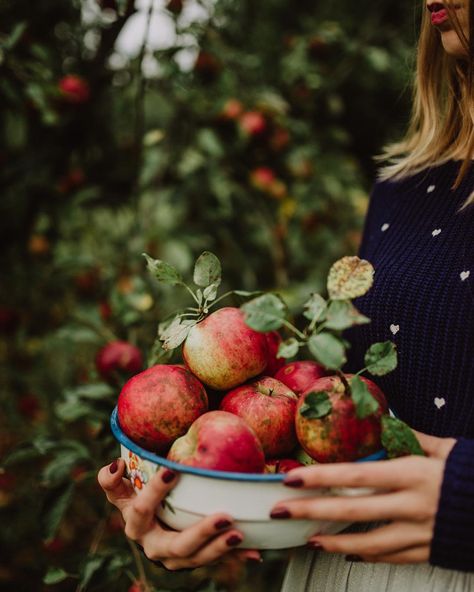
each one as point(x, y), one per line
point(167, 127)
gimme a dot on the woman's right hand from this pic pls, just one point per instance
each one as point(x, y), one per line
point(206, 542)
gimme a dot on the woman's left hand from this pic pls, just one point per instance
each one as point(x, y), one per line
point(408, 499)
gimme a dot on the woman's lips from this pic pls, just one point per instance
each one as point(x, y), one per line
point(439, 17)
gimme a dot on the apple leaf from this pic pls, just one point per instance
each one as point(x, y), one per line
point(350, 277)
point(314, 307)
point(54, 575)
point(210, 293)
point(381, 358)
point(328, 350)
point(316, 405)
point(176, 332)
point(288, 348)
point(265, 313)
point(398, 438)
point(164, 272)
point(364, 401)
point(342, 314)
point(207, 270)
point(246, 294)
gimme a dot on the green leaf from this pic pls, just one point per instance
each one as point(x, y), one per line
point(55, 506)
point(381, 358)
point(158, 355)
point(207, 270)
point(342, 314)
point(176, 332)
point(288, 348)
point(265, 313)
point(90, 568)
point(54, 575)
point(246, 294)
point(327, 350)
point(364, 401)
point(210, 293)
point(316, 405)
point(96, 391)
point(350, 277)
point(164, 272)
point(314, 307)
point(398, 438)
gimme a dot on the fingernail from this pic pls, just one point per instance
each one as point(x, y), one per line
point(221, 524)
point(168, 476)
point(293, 483)
point(113, 468)
point(280, 514)
point(233, 540)
point(354, 558)
point(314, 545)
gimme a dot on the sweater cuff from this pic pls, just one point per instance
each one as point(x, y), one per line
point(453, 542)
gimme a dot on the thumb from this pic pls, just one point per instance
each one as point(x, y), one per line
point(119, 491)
point(434, 446)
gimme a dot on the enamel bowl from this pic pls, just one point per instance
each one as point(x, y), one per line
point(247, 497)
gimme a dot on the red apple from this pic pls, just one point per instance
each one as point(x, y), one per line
point(281, 465)
point(268, 407)
point(223, 352)
point(273, 342)
point(340, 436)
point(299, 376)
point(253, 123)
point(232, 109)
point(158, 405)
point(219, 441)
point(262, 177)
point(118, 357)
point(74, 89)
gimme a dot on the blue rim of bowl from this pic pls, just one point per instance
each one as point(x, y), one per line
point(164, 462)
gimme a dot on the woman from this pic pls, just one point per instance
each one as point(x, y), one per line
point(419, 235)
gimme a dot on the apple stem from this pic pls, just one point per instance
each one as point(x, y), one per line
point(265, 390)
point(294, 330)
point(344, 381)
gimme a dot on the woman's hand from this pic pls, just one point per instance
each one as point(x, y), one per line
point(408, 498)
point(201, 544)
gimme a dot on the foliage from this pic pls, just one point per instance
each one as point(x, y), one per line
point(259, 152)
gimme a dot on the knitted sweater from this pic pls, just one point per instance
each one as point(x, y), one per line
point(422, 248)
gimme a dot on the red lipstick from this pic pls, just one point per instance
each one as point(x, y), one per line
point(439, 14)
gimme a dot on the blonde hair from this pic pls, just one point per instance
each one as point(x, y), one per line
point(442, 119)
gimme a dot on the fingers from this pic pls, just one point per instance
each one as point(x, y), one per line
point(118, 490)
point(140, 515)
point(386, 474)
point(433, 446)
point(386, 540)
point(214, 550)
point(388, 506)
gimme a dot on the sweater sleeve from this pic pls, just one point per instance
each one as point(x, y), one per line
point(453, 542)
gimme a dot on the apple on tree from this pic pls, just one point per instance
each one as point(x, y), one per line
point(268, 407)
point(220, 441)
point(118, 357)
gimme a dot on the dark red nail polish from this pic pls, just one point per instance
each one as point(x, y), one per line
point(221, 524)
point(280, 514)
point(113, 467)
point(315, 546)
point(233, 540)
point(354, 558)
point(168, 476)
point(293, 483)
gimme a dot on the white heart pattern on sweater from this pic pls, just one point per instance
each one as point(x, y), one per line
point(394, 329)
point(440, 402)
point(464, 275)
point(436, 232)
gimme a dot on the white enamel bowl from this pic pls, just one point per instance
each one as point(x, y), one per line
point(247, 497)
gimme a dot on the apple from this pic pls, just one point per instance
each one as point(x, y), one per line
point(74, 89)
point(299, 376)
point(232, 109)
point(219, 441)
point(118, 357)
point(253, 123)
point(158, 405)
point(274, 364)
point(268, 407)
point(223, 351)
point(282, 465)
point(340, 436)
point(262, 178)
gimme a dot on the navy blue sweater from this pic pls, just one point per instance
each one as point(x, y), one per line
point(422, 248)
